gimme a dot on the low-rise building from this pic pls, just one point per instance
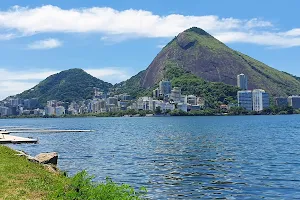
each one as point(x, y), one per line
point(192, 99)
point(281, 101)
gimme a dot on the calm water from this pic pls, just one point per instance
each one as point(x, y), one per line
point(250, 157)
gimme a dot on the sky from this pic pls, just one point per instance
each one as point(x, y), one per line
point(115, 39)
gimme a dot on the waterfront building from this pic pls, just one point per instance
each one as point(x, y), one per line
point(60, 110)
point(49, 110)
point(182, 106)
point(145, 103)
point(123, 105)
point(38, 112)
point(193, 107)
point(294, 101)
point(260, 100)
point(192, 99)
point(242, 81)
point(175, 95)
point(281, 101)
point(245, 99)
point(112, 100)
point(4, 111)
point(165, 87)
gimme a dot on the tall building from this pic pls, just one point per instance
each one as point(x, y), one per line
point(145, 103)
point(242, 81)
point(245, 99)
point(49, 110)
point(260, 100)
point(165, 87)
point(60, 110)
point(112, 101)
point(176, 95)
point(156, 93)
point(294, 101)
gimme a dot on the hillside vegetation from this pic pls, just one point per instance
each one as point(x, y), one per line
point(69, 85)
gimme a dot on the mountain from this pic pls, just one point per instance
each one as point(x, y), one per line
point(69, 85)
point(199, 53)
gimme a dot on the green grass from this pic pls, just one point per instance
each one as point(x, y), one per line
point(21, 179)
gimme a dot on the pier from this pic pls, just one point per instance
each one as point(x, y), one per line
point(7, 139)
point(47, 131)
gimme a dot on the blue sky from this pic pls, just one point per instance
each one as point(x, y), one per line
point(114, 40)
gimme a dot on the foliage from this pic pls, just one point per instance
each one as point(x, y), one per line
point(213, 93)
point(82, 187)
point(132, 86)
point(69, 85)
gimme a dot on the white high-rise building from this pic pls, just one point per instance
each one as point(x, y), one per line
point(242, 81)
point(260, 100)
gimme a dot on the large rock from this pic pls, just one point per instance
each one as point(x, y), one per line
point(47, 158)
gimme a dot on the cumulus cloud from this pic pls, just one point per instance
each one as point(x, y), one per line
point(15, 82)
point(113, 24)
point(45, 44)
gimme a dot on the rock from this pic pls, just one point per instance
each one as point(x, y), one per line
point(32, 159)
point(47, 158)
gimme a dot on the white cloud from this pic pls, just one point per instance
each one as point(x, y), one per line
point(117, 25)
point(293, 32)
point(45, 44)
point(264, 38)
point(15, 82)
point(7, 36)
point(255, 23)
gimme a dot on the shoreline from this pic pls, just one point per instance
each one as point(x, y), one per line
point(24, 178)
point(113, 116)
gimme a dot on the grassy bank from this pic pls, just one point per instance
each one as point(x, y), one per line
point(21, 179)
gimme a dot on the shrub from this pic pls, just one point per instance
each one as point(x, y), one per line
point(81, 187)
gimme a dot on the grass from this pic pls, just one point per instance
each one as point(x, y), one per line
point(21, 179)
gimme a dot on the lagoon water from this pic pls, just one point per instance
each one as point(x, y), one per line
point(240, 157)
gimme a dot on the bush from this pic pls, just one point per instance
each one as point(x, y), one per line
point(81, 187)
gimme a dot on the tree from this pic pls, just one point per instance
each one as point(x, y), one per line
point(158, 110)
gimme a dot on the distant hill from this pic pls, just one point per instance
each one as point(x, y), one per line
point(69, 85)
point(199, 53)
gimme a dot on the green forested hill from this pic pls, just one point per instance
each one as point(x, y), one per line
point(69, 85)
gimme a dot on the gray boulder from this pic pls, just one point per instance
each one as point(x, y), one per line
point(47, 158)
